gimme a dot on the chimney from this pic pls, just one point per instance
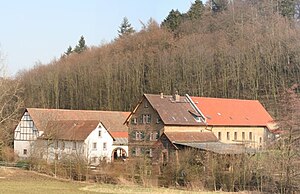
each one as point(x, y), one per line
point(176, 97)
point(161, 95)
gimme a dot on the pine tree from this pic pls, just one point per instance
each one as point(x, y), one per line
point(173, 20)
point(125, 28)
point(219, 5)
point(69, 51)
point(287, 8)
point(196, 10)
point(81, 45)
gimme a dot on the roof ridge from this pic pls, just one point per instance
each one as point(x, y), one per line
point(78, 110)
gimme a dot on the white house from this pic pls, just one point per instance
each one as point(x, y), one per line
point(57, 133)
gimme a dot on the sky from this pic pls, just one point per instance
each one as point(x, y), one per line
point(35, 31)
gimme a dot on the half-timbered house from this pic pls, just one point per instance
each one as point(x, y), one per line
point(56, 132)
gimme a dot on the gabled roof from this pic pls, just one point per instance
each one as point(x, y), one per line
point(191, 137)
point(173, 112)
point(113, 120)
point(232, 112)
point(75, 130)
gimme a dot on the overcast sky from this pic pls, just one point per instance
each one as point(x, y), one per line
point(40, 30)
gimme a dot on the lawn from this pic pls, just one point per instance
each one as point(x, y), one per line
point(14, 181)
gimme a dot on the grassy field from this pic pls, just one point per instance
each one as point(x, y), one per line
point(14, 181)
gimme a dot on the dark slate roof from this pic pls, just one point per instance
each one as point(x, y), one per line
point(173, 112)
point(220, 148)
point(191, 137)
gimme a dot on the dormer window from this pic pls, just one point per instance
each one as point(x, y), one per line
point(198, 119)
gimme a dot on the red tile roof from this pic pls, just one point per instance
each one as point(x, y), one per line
point(232, 112)
point(119, 134)
point(191, 137)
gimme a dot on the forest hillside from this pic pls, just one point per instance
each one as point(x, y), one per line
point(245, 49)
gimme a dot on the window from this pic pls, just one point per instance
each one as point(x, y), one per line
point(228, 135)
point(24, 151)
point(56, 156)
point(219, 135)
point(243, 135)
point(133, 152)
point(94, 159)
point(139, 135)
point(99, 133)
point(104, 146)
point(149, 152)
point(94, 145)
point(146, 104)
point(56, 144)
point(153, 136)
point(146, 118)
point(250, 135)
point(74, 145)
point(63, 145)
point(158, 120)
point(235, 135)
point(137, 151)
point(134, 121)
point(260, 139)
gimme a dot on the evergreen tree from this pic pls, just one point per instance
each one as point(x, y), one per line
point(69, 51)
point(125, 28)
point(81, 45)
point(173, 20)
point(219, 5)
point(196, 10)
point(287, 8)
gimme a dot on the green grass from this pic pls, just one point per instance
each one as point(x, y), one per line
point(15, 181)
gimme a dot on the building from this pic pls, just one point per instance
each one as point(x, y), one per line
point(53, 133)
point(232, 121)
point(156, 114)
point(237, 121)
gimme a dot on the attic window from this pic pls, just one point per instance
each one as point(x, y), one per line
point(158, 120)
point(198, 119)
point(146, 104)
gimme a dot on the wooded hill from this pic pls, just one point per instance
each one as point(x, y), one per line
point(247, 50)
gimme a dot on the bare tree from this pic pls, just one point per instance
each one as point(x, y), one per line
point(10, 105)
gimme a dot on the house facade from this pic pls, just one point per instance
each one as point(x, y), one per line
point(237, 121)
point(156, 114)
point(56, 133)
point(86, 139)
point(232, 121)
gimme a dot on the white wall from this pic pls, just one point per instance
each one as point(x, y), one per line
point(24, 137)
point(99, 152)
